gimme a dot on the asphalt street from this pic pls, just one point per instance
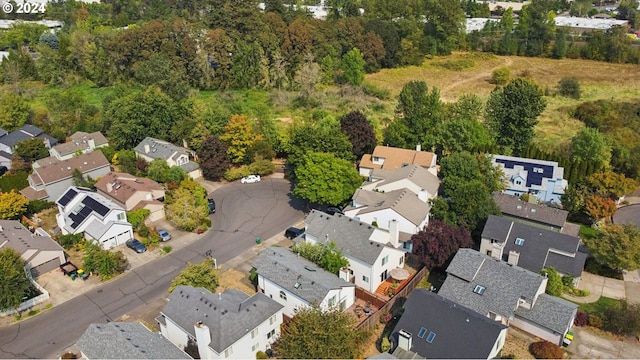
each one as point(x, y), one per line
point(244, 212)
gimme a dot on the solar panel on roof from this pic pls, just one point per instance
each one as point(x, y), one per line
point(95, 206)
point(68, 196)
point(535, 172)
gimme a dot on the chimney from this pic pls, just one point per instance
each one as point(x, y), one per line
point(92, 143)
point(146, 148)
point(109, 187)
point(533, 199)
point(418, 147)
point(203, 338)
point(422, 195)
point(404, 340)
point(394, 233)
point(514, 256)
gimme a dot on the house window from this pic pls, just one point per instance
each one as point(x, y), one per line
point(520, 241)
point(283, 295)
point(365, 279)
point(479, 289)
point(271, 333)
point(254, 333)
point(272, 320)
point(332, 301)
point(385, 260)
point(431, 336)
point(518, 182)
point(255, 347)
point(401, 261)
point(228, 352)
point(422, 332)
point(121, 216)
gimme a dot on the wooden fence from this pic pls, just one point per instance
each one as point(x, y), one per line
point(385, 306)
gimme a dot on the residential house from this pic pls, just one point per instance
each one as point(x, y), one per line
point(131, 192)
point(79, 142)
point(532, 248)
point(544, 217)
point(390, 158)
point(372, 252)
point(415, 178)
point(52, 177)
point(151, 149)
point(431, 328)
point(539, 178)
point(227, 325)
point(40, 253)
point(8, 141)
point(100, 219)
point(509, 294)
point(126, 340)
point(296, 282)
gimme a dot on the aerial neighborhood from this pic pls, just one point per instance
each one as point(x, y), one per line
point(319, 179)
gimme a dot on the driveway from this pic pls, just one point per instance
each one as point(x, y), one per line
point(599, 286)
point(244, 212)
point(587, 345)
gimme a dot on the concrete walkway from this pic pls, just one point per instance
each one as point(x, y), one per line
point(598, 286)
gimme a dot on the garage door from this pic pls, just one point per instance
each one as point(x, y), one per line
point(45, 267)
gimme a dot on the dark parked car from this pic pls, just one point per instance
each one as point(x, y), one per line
point(3, 170)
point(334, 210)
point(293, 233)
point(212, 206)
point(136, 246)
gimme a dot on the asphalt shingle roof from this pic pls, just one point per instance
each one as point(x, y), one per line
point(351, 236)
point(159, 149)
point(513, 206)
point(539, 245)
point(402, 201)
point(504, 284)
point(126, 340)
point(80, 141)
point(287, 269)
point(416, 174)
point(396, 158)
point(450, 322)
point(229, 315)
point(52, 169)
point(551, 312)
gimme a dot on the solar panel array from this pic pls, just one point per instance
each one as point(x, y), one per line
point(64, 200)
point(90, 205)
point(95, 206)
point(533, 177)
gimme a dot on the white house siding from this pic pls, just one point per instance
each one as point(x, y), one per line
point(361, 270)
point(395, 258)
point(499, 344)
point(174, 333)
point(247, 347)
point(534, 329)
point(272, 290)
point(117, 235)
point(384, 217)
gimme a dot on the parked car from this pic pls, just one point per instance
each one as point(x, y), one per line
point(212, 206)
point(136, 246)
point(334, 210)
point(250, 179)
point(164, 235)
point(3, 170)
point(293, 232)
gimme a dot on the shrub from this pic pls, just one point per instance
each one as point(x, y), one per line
point(582, 319)
point(35, 206)
point(546, 350)
point(371, 90)
point(237, 173)
point(385, 344)
point(137, 217)
point(623, 319)
point(261, 355)
point(501, 76)
point(143, 230)
point(569, 87)
point(262, 166)
point(166, 249)
point(70, 240)
point(595, 321)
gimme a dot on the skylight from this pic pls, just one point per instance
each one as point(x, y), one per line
point(479, 289)
point(422, 332)
point(431, 336)
point(296, 285)
point(520, 241)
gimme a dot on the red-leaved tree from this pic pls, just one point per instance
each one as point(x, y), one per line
point(436, 244)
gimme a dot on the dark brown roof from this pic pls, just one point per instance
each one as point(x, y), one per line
point(511, 205)
point(121, 186)
point(53, 171)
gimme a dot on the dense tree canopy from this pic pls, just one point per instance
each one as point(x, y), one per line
point(360, 132)
point(324, 179)
point(214, 160)
point(589, 145)
point(198, 275)
point(12, 205)
point(13, 281)
point(438, 242)
point(320, 334)
point(617, 246)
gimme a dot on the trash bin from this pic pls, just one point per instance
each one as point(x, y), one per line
point(73, 277)
point(258, 240)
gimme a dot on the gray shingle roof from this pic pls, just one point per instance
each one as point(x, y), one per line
point(417, 174)
point(402, 201)
point(450, 322)
point(513, 206)
point(126, 340)
point(24, 133)
point(159, 149)
point(551, 312)
point(351, 236)
point(286, 269)
point(504, 284)
point(538, 245)
point(229, 315)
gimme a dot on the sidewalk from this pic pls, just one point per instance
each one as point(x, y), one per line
point(598, 286)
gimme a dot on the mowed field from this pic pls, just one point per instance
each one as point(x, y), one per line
point(466, 73)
